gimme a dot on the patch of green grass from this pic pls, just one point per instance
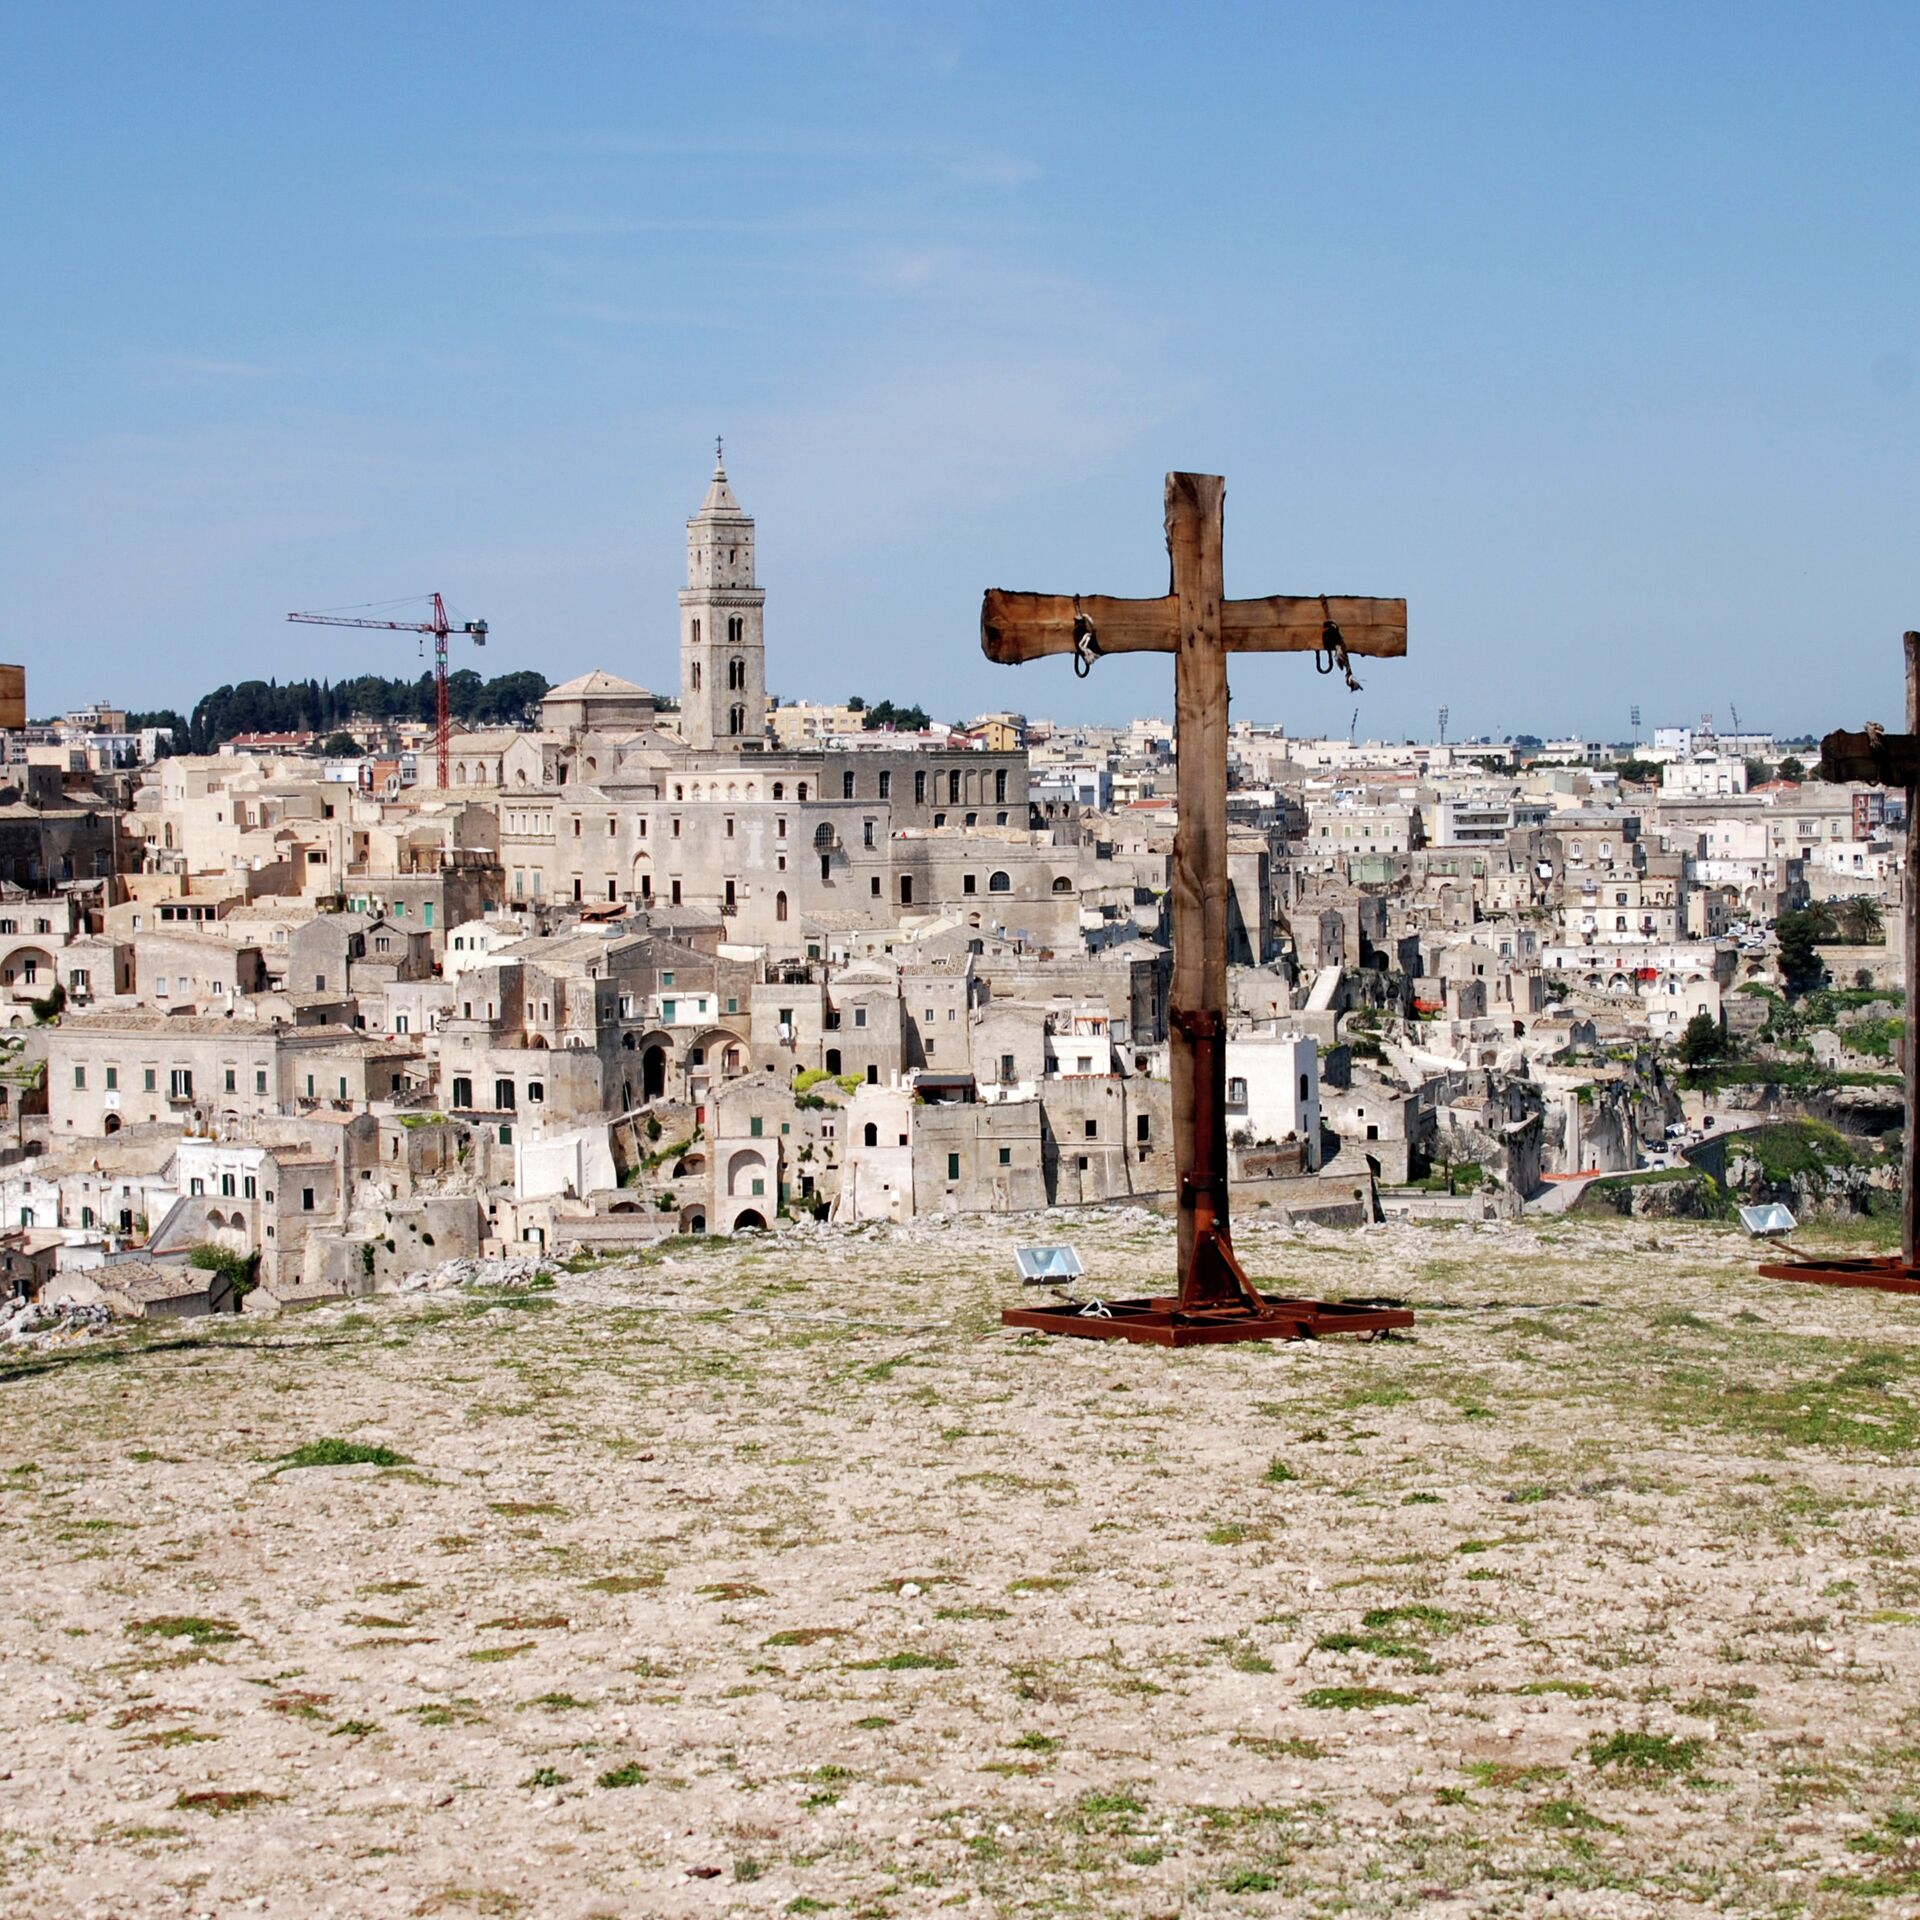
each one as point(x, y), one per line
point(804, 1636)
point(1036, 1743)
point(902, 1663)
point(1568, 1816)
point(219, 1800)
point(353, 1729)
point(1795, 1146)
point(1250, 1880)
point(1242, 1655)
point(625, 1582)
point(1506, 1773)
point(1351, 1699)
point(630, 1774)
point(545, 1777)
point(1417, 1616)
point(447, 1713)
point(1234, 1533)
point(559, 1702)
point(186, 1626)
point(1647, 1755)
point(1420, 1500)
point(174, 1737)
point(1381, 1646)
point(1278, 1473)
point(1573, 1689)
point(340, 1453)
point(1281, 1747)
point(487, 1655)
point(1108, 1806)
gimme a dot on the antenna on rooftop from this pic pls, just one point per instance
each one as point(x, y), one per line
point(1443, 726)
point(1636, 726)
point(1353, 728)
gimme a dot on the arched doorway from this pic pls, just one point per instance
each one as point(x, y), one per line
point(112, 1123)
point(653, 1073)
point(749, 1222)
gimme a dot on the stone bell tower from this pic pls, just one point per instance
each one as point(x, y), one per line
point(723, 647)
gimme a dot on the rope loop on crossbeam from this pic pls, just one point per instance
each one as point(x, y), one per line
point(1086, 644)
point(1332, 650)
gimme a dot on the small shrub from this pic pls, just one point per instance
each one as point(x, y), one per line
point(631, 1774)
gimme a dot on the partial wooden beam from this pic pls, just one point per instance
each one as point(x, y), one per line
point(1881, 759)
point(1016, 627)
point(1295, 622)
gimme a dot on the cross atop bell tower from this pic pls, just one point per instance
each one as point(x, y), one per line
point(723, 652)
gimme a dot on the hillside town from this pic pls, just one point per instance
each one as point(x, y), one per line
point(287, 1023)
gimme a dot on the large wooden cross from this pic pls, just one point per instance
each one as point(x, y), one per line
point(1199, 626)
point(1878, 758)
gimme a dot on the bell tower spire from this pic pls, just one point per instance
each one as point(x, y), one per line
point(723, 668)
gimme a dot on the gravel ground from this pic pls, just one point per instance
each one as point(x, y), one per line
point(774, 1576)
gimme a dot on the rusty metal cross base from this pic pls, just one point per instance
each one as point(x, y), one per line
point(1884, 1276)
point(1166, 1323)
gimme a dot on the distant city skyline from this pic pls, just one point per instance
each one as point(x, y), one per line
point(1592, 335)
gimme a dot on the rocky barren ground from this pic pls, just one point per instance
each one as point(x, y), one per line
point(774, 1577)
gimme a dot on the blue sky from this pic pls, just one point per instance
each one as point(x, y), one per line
point(1592, 330)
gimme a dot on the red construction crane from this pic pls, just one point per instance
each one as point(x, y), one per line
point(439, 626)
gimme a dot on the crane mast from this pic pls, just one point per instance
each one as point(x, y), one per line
point(440, 627)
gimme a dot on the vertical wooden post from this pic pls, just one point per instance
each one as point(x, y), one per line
point(1195, 535)
point(1910, 942)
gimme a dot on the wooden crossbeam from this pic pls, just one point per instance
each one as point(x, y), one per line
point(1017, 627)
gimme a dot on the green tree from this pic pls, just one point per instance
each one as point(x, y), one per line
point(1793, 769)
point(1859, 922)
point(1758, 773)
point(341, 745)
point(1702, 1041)
point(241, 1270)
point(1799, 935)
